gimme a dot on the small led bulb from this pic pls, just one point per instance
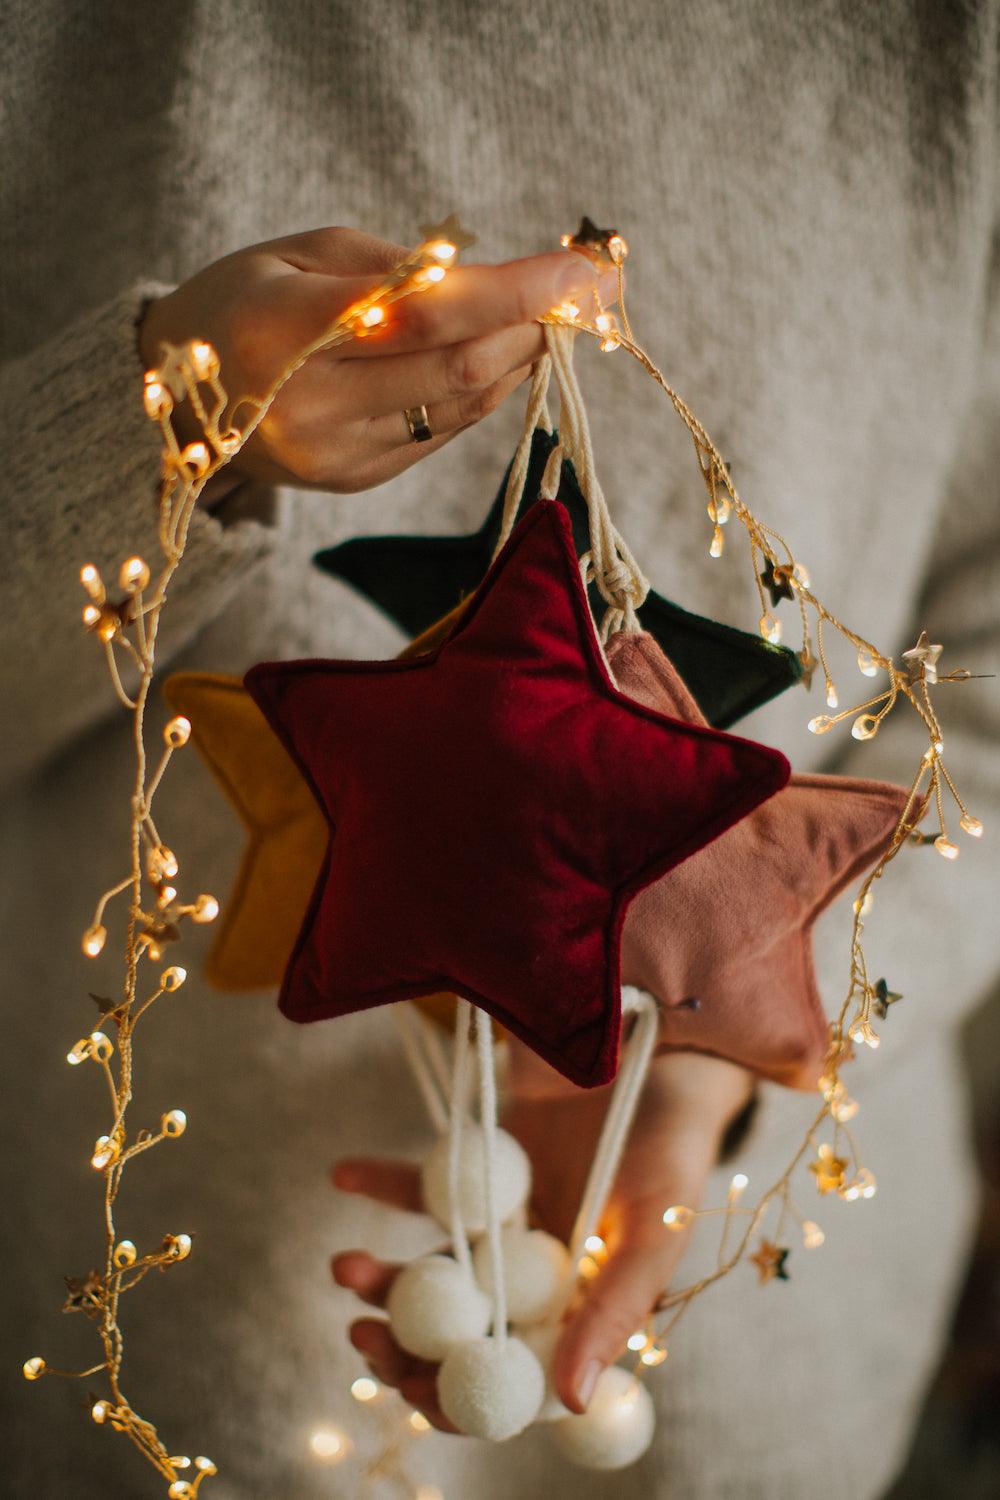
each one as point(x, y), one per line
point(181, 1490)
point(864, 903)
point(738, 1186)
point(653, 1356)
point(970, 825)
point(678, 1217)
point(364, 1388)
point(812, 1235)
point(820, 725)
point(177, 731)
point(770, 628)
point(832, 701)
point(90, 615)
point(94, 939)
point(206, 909)
point(617, 248)
point(33, 1368)
point(717, 543)
point(79, 1052)
point(867, 664)
point(106, 1151)
point(594, 1245)
point(91, 580)
point(442, 250)
point(328, 1445)
point(173, 978)
point(429, 274)
point(637, 1341)
point(101, 1046)
point(197, 456)
point(134, 575)
point(125, 1255)
point(801, 574)
point(174, 1122)
point(165, 895)
point(604, 322)
point(372, 317)
point(99, 1411)
point(168, 862)
point(418, 1422)
point(177, 1246)
point(865, 1183)
point(945, 847)
point(865, 727)
point(844, 1109)
point(156, 399)
point(204, 360)
point(205, 1465)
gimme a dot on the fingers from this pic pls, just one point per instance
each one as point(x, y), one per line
point(362, 1273)
point(618, 1303)
point(415, 1379)
point(370, 388)
point(471, 302)
point(393, 1182)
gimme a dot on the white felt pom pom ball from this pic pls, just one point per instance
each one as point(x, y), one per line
point(541, 1339)
point(512, 1178)
point(536, 1270)
point(490, 1390)
point(434, 1304)
point(616, 1428)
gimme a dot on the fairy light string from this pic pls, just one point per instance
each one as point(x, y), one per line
point(127, 628)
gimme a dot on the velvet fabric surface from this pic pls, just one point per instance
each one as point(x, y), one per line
point(725, 940)
point(496, 804)
point(417, 579)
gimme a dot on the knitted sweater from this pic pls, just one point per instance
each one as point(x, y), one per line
point(810, 194)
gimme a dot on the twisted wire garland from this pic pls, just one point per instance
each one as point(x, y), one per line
point(130, 626)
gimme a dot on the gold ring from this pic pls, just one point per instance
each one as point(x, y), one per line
point(416, 421)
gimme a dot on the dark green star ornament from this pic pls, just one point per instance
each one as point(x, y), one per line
point(882, 998)
point(775, 580)
point(417, 579)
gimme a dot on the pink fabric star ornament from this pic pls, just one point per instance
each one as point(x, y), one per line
point(725, 940)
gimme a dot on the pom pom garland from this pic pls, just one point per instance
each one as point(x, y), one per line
point(491, 1388)
point(512, 1180)
point(615, 1430)
point(434, 1303)
point(537, 1269)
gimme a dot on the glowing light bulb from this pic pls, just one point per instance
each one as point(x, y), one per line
point(205, 1465)
point(844, 1109)
point(206, 909)
point(865, 727)
point(418, 1422)
point(945, 847)
point(603, 322)
point(637, 1341)
point(801, 573)
point(33, 1368)
point(653, 1356)
point(125, 1255)
point(91, 580)
point(820, 725)
point(617, 248)
point(180, 1463)
point(134, 575)
point(177, 1246)
point(166, 895)
point(204, 360)
point(865, 1183)
point(180, 1490)
point(106, 1151)
point(738, 1185)
point(91, 615)
point(365, 1389)
point(867, 665)
point(177, 731)
point(174, 1122)
point(717, 543)
point(610, 343)
point(79, 1052)
point(678, 1217)
point(156, 399)
point(442, 250)
point(430, 274)
point(328, 1444)
point(812, 1235)
point(862, 1031)
point(168, 862)
point(99, 1411)
point(197, 456)
point(372, 317)
point(594, 1245)
point(101, 1046)
point(173, 978)
point(864, 904)
point(568, 310)
point(565, 240)
point(970, 825)
point(770, 628)
point(94, 939)
point(832, 701)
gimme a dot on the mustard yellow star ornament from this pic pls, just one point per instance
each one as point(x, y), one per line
point(770, 1261)
point(828, 1169)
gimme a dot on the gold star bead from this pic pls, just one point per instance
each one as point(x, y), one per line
point(828, 1169)
point(603, 246)
point(922, 659)
point(448, 232)
point(770, 1261)
point(809, 665)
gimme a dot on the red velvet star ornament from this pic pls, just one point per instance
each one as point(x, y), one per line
point(725, 940)
point(494, 807)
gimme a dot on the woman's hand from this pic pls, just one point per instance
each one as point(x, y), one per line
point(686, 1106)
point(458, 348)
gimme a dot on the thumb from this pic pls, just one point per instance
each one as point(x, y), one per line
point(618, 1303)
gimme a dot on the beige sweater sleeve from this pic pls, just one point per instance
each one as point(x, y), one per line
point(81, 469)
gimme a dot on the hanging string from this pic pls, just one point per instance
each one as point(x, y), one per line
point(536, 415)
point(412, 1037)
point(488, 1120)
point(459, 1095)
